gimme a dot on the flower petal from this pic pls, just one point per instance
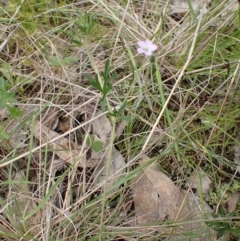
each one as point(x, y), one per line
point(141, 44)
point(148, 53)
point(149, 42)
point(153, 47)
point(140, 50)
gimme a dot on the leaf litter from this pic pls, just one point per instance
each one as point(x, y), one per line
point(156, 198)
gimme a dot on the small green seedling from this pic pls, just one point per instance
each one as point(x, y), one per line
point(97, 146)
point(7, 99)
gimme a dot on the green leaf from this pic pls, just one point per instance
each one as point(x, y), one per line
point(14, 111)
point(125, 118)
point(77, 42)
point(97, 146)
point(94, 82)
point(86, 23)
point(7, 70)
point(103, 103)
point(209, 121)
point(2, 84)
point(5, 96)
point(56, 62)
point(122, 107)
point(3, 135)
point(106, 88)
point(107, 69)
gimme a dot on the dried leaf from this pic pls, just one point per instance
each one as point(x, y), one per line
point(102, 129)
point(199, 210)
point(67, 150)
point(116, 168)
point(201, 182)
point(182, 6)
point(232, 202)
point(158, 199)
point(15, 128)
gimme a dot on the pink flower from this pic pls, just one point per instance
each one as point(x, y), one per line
point(146, 47)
